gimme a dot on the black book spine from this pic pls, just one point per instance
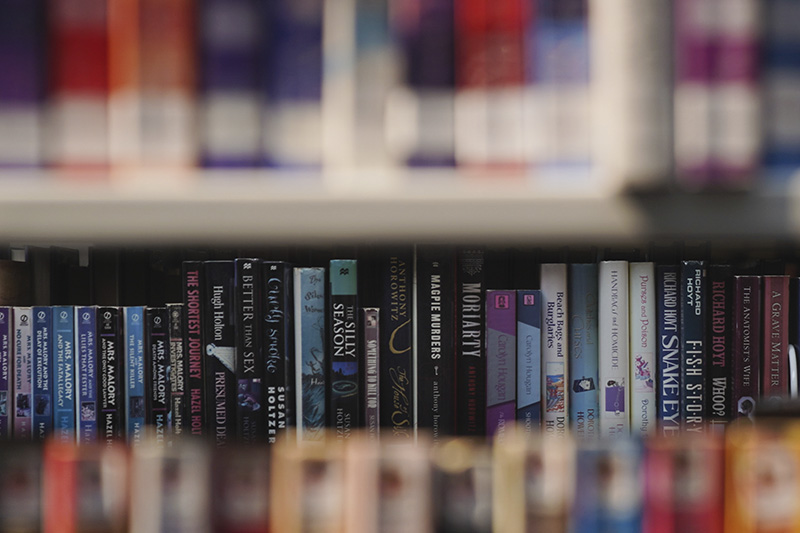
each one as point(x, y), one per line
point(396, 358)
point(278, 345)
point(110, 381)
point(719, 335)
point(177, 376)
point(435, 273)
point(220, 351)
point(192, 275)
point(250, 415)
point(693, 352)
point(157, 363)
point(470, 347)
point(344, 363)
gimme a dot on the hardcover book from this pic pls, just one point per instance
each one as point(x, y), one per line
point(529, 360)
point(344, 372)
point(86, 365)
point(642, 309)
point(42, 372)
point(693, 345)
point(746, 344)
point(775, 344)
point(178, 411)
point(614, 348)
point(501, 362)
point(720, 386)
point(7, 403)
point(584, 403)
point(555, 349)
point(111, 382)
point(278, 345)
point(310, 353)
point(370, 329)
point(251, 408)
point(23, 373)
point(192, 276)
point(158, 372)
point(668, 310)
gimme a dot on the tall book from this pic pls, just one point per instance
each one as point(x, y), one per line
point(631, 66)
point(344, 409)
point(529, 360)
point(775, 343)
point(178, 411)
point(42, 372)
point(584, 404)
point(229, 119)
point(23, 373)
point(371, 331)
point(642, 307)
point(158, 373)
point(192, 276)
point(613, 348)
point(434, 318)
point(397, 350)
point(719, 335)
point(746, 344)
point(251, 408)
point(278, 345)
point(310, 353)
point(501, 362)
point(111, 382)
point(668, 311)
point(555, 349)
point(78, 82)
point(134, 368)
point(22, 49)
point(86, 365)
point(6, 372)
point(219, 338)
point(470, 364)
point(693, 285)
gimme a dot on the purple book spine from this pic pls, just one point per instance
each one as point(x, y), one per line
point(5, 370)
point(746, 344)
point(694, 52)
point(501, 357)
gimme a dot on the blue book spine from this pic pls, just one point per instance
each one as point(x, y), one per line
point(693, 345)
point(668, 314)
point(64, 375)
point(583, 352)
point(5, 372)
point(133, 324)
point(344, 412)
point(86, 373)
point(310, 356)
point(111, 382)
point(42, 372)
point(529, 360)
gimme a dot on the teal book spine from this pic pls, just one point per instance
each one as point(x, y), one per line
point(583, 354)
point(309, 304)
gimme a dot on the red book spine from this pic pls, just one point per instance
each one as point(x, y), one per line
point(775, 338)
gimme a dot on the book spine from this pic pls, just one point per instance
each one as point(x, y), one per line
point(192, 275)
point(529, 360)
point(230, 113)
point(22, 50)
point(693, 349)
point(720, 386)
point(642, 292)
point(501, 359)
point(584, 403)
point(178, 410)
point(631, 60)
point(124, 83)
point(110, 384)
point(86, 365)
point(435, 315)
point(42, 372)
point(23, 385)
point(555, 355)
point(309, 302)
point(613, 348)
point(370, 327)
point(344, 362)
point(397, 357)
point(159, 372)
point(278, 346)
point(220, 351)
point(746, 344)
point(64, 377)
point(250, 406)
point(470, 350)
point(775, 343)
point(669, 349)
point(78, 80)
point(134, 371)
point(6, 372)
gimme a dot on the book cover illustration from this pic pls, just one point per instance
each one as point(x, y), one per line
point(309, 301)
point(555, 346)
point(583, 350)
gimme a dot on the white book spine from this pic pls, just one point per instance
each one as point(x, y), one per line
point(643, 349)
point(555, 356)
point(613, 348)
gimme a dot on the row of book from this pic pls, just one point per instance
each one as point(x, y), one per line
point(742, 483)
point(567, 91)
